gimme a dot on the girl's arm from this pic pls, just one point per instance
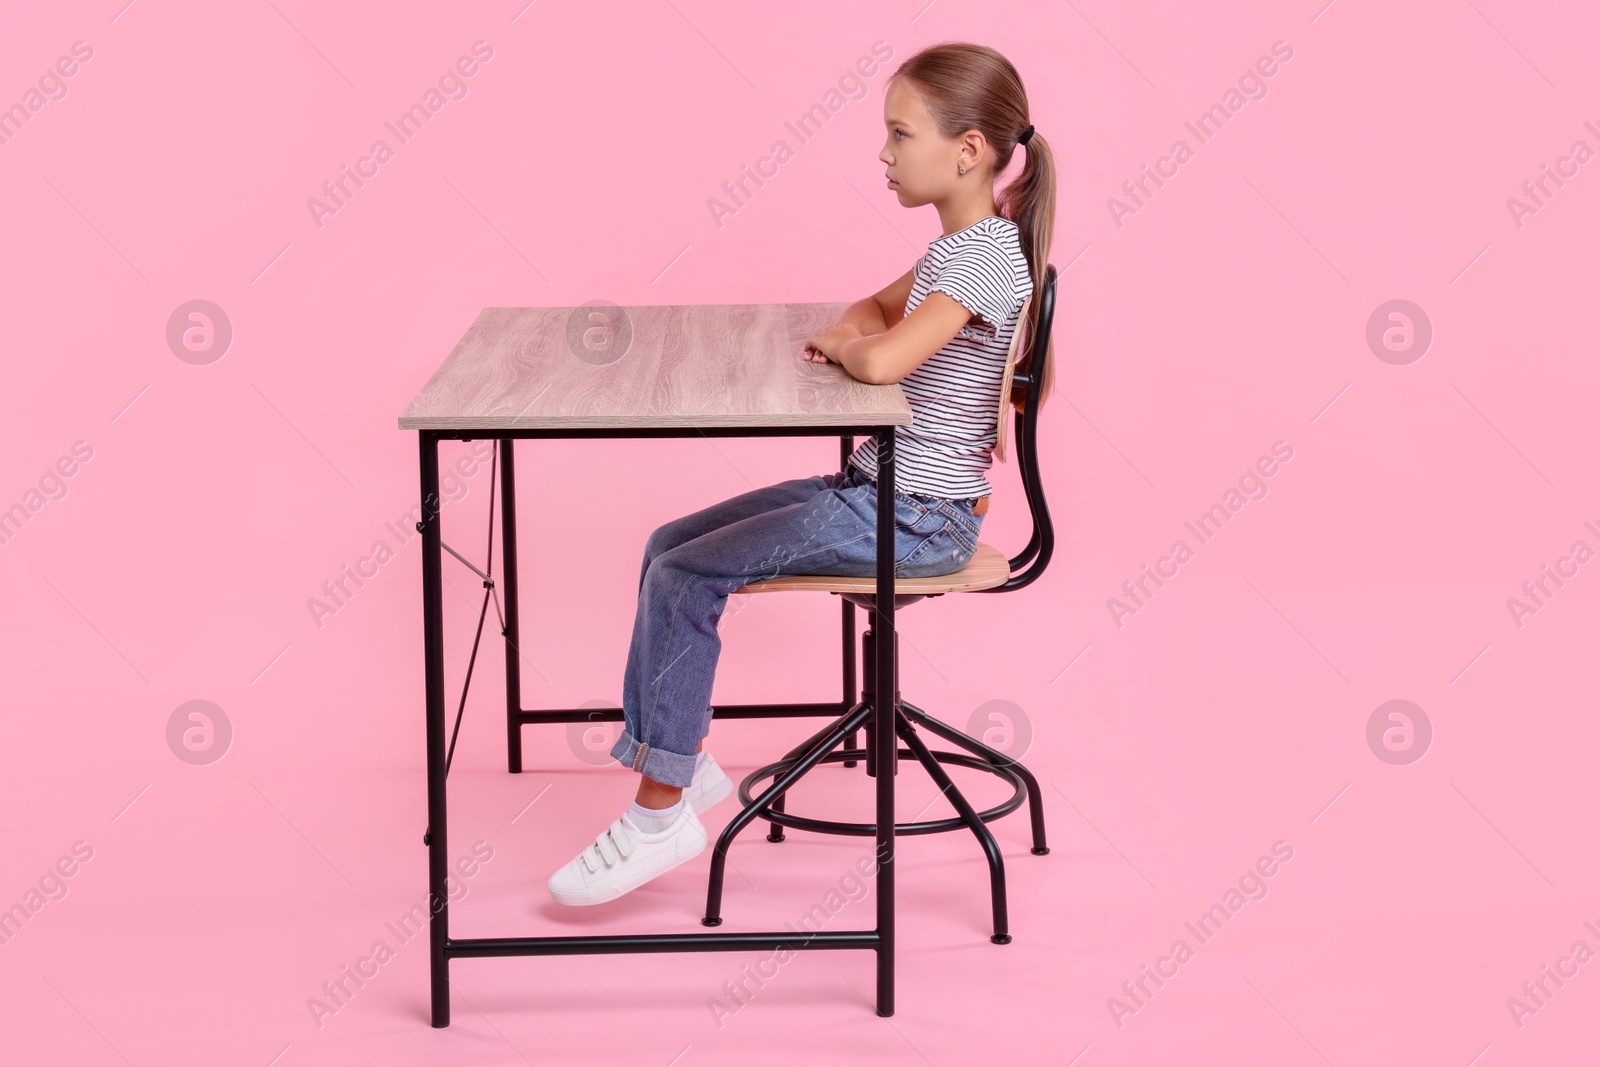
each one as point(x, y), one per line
point(885, 358)
point(865, 315)
point(880, 311)
point(873, 315)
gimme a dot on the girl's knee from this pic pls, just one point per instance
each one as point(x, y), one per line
point(660, 572)
point(662, 539)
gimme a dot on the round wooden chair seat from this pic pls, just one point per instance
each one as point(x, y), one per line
point(987, 569)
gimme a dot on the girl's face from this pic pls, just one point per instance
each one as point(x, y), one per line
point(921, 165)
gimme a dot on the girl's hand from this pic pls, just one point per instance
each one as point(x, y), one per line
point(824, 346)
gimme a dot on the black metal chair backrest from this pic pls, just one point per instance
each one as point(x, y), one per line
point(1028, 564)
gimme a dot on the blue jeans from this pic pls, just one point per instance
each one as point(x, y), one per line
point(826, 524)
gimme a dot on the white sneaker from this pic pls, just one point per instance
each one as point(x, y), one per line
point(623, 858)
point(709, 785)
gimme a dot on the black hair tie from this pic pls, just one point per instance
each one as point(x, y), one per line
point(1027, 135)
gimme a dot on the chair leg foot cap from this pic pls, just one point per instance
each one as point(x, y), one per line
point(710, 922)
point(1001, 939)
point(1041, 852)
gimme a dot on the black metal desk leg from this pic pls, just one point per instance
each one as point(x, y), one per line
point(848, 626)
point(884, 736)
point(433, 668)
point(513, 631)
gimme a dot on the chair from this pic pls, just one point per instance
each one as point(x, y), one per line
point(989, 571)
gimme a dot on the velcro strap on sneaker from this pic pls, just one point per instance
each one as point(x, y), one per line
point(607, 850)
point(621, 837)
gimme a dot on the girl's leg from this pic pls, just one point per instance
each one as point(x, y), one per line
point(652, 794)
point(682, 592)
point(673, 657)
point(680, 531)
point(755, 502)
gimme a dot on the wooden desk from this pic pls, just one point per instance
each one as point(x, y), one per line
point(719, 370)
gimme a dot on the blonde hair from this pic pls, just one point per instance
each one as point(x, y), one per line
point(972, 87)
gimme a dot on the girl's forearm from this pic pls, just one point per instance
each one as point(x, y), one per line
point(856, 357)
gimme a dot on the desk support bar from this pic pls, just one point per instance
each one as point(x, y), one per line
point(604, 944)
point(833, 709)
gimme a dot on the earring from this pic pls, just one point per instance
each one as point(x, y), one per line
point(961, 170)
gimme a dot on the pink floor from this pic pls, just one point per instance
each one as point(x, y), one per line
point(1405, 891)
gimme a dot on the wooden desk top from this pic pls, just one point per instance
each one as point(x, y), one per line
point(666, 365)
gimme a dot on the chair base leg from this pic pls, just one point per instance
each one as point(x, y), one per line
point(770, 805)
point(719, 855)
point(997, 869)
point(972, 744)
point(775, 833)
point(820, 748)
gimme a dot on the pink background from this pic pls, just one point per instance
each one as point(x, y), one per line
point(1230, 713)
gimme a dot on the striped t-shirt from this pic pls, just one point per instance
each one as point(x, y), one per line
point(955, 393)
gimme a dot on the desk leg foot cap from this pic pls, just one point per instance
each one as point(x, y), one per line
point(1001, 939)
point(1041, 852)
point(710, 922)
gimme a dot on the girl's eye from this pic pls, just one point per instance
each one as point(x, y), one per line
point(899, 133)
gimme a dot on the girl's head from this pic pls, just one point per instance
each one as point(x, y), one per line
point(954, 112)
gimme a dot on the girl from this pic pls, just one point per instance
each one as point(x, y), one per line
point(955, 114)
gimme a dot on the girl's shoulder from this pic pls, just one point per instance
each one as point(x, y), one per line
point(988, 236)
point(990, 247)
point(989, 229)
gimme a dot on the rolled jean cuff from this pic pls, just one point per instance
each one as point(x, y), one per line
point(668, 768)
